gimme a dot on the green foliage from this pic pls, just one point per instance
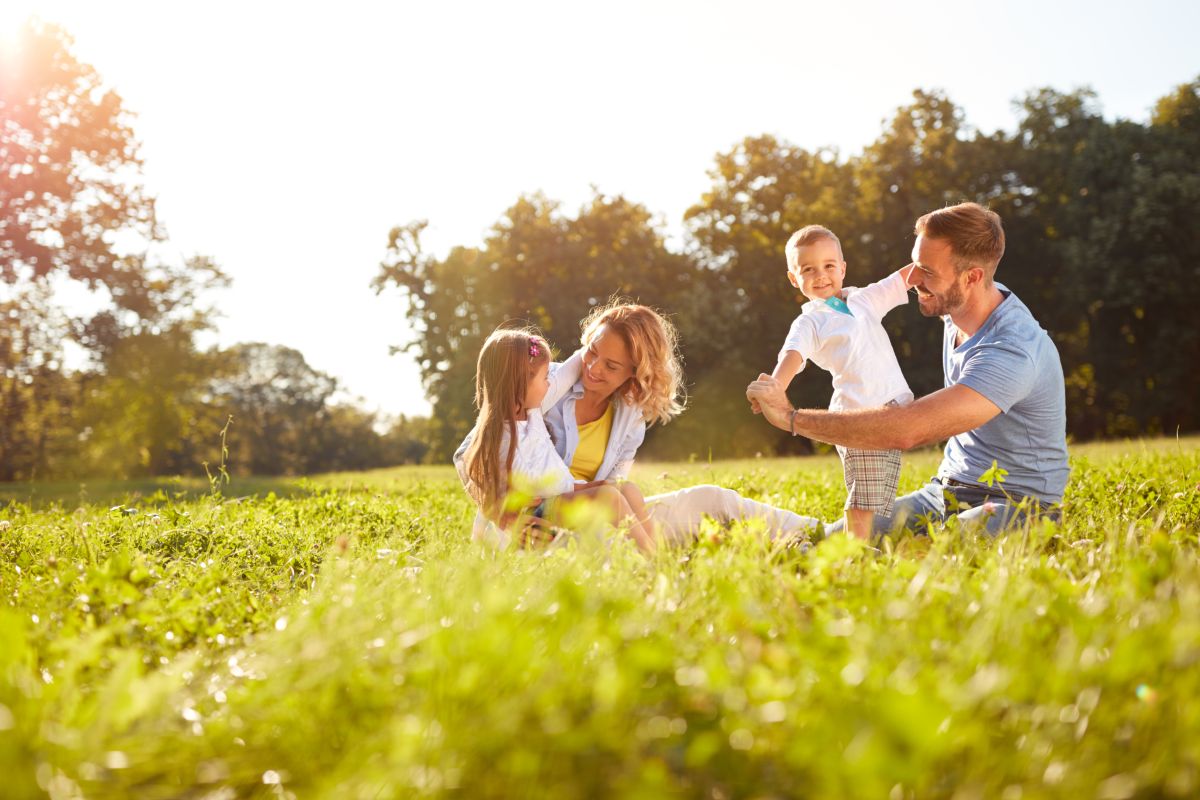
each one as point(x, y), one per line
point(1101, 246)
point(539, 266)
point(343, 638)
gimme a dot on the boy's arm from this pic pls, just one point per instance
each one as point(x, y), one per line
point(786, 370)
point(888, 293)
point(788, 367)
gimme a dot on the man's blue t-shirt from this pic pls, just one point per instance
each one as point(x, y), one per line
point(1012, 362)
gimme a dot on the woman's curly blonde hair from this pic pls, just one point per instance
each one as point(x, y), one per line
point(657, 383)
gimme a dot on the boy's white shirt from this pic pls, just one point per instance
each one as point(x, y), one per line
point(854, 348)
point(535, 463)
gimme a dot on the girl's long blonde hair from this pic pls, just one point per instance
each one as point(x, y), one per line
point(510, 357)
point(657, 383)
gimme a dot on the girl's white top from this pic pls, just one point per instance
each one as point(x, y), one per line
point(536, 467)
point(854, 349)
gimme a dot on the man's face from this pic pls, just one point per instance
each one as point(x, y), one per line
point(938, 283)
point(818, 270)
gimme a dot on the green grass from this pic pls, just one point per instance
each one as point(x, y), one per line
point(340, 637)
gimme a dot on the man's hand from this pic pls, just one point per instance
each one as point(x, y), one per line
point(768, 394)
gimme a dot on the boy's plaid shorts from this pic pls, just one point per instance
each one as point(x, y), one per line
point(871, 478)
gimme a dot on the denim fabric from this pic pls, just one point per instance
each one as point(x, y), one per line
point(973, 505)
point(628, 432)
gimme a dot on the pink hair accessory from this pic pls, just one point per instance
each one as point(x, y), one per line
point(534, 349)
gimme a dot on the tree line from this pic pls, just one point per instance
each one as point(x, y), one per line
point(1102, 246)
point(117, 385)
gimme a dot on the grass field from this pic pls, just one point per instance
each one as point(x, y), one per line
point(340, 637)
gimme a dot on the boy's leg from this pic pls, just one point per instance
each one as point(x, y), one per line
point(871, 480)
point(860, 523)
point(908, 512)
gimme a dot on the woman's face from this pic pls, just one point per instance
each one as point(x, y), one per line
point(606, 363)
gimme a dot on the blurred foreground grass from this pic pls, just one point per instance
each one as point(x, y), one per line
point(340, 637)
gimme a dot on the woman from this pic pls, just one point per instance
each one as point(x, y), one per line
point(632, 376)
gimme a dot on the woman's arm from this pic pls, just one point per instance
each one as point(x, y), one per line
point(628, 452)
point(562, 378)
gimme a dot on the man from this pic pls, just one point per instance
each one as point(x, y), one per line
point(1003, 401)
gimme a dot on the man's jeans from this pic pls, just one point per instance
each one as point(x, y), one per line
point(975, 506)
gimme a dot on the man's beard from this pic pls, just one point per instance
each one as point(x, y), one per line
point(939, 305)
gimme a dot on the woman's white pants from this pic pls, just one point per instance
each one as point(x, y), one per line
point(679, 514)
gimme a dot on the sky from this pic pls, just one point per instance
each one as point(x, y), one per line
point(286, 139)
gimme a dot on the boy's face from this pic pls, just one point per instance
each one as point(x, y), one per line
point(818, 269)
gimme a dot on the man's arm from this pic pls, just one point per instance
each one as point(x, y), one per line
point(932, 418)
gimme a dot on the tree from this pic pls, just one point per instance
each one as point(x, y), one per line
point(73, 212)
point(150, 411)
point(538, 266)
point(279, 407)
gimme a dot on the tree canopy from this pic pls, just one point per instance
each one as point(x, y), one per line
point(1100, 246)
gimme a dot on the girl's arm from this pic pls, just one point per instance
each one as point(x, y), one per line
point(562, 378)
point(460, 466)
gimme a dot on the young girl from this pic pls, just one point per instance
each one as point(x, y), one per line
point(510, 448)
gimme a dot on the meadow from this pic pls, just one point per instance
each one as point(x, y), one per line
point(340, 637)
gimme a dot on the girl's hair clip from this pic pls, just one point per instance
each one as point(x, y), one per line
point(534, 349)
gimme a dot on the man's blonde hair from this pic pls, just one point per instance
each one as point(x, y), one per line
point(975, 235)
point(657, 383)
point(806, 236)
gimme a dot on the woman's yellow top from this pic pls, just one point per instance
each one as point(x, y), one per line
point(593, 441)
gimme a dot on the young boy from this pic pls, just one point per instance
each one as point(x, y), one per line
point(840, 331)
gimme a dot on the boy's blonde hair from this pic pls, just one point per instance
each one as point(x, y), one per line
point(657, 383)
point(804, 237)
point(508, 360)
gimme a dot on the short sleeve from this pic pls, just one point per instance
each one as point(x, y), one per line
point(882, 296)
point(802, 337)
point(1001, 373)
